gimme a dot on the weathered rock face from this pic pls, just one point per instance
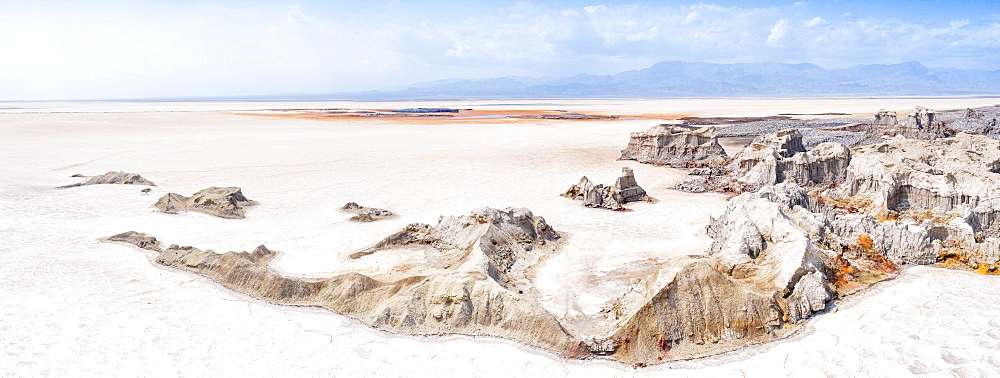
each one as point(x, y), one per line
point(674, 146)
point(920, 124)
point(763, 273)
point(822, 165)
point(775, 158)
point(781, 253)
point(366, 214)
point(113, 177)
point(921, 118)
point(479, 291)
point(938, 197)
point(625, 190)
point(223, 202)
point(505, 237)
point(885, 118)
point(947, 175)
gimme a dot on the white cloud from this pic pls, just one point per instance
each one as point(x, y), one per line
point(460, 50)
point(815, 21)
point(691, 16)
point(595, 8)
point(778, 33)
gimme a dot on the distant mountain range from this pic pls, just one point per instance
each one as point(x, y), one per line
point(687, 79)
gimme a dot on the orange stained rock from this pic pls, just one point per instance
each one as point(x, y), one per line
point(990, 269)
point(865, 241)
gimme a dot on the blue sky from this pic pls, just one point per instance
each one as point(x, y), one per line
point(129, 49)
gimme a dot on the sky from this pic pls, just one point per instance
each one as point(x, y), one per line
point(54, 50)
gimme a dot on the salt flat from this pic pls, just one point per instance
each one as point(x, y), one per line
point(74, 305)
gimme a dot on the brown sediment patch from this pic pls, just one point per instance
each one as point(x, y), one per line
point(462, 116)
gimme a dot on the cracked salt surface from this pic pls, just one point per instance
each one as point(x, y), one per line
point(74, 306)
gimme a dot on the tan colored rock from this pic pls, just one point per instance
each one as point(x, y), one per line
point(113, 177)
point(476, 287)
point(223, 202)
point(138, 239)
point(675, 146)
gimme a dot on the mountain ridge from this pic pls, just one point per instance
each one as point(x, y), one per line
point(669, 79)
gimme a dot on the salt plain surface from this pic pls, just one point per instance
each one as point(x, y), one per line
point(72, 305)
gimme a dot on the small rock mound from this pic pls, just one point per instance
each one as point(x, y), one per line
point(366, 214)
point(113, 177)
point(138, 239)
point(625, 190)
point(223, 202)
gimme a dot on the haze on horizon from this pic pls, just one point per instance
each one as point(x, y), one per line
point(113, 49)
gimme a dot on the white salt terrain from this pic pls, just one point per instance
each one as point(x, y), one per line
point(74, 305)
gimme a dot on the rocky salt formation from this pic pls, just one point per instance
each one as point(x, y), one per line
point(223, 202)
point(676, 146)
point(781, 156)
point(811, 226)
point(471, 279)
point(774, 158)
point(761, 276)
point(983, 121)
point(113, 177)
point(920, 124)
point(947, 190)
point(625, 190)
point(366, 214)
point(779, 255)
point(471, 283)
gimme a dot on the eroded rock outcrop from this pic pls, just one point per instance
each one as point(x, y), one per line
point(366, 214)
point(781, 156)
point(781, 253)
point(762, 274)
point(945, 192)
point(113, 177)
point(223, 202)
point(774, 158)
point(920, 124)
point(625, 190)
point(811, 225)
point(675, 146)
point(471, 284)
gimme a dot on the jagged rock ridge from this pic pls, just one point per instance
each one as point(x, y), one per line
point(473, 281)
point(223, 202)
